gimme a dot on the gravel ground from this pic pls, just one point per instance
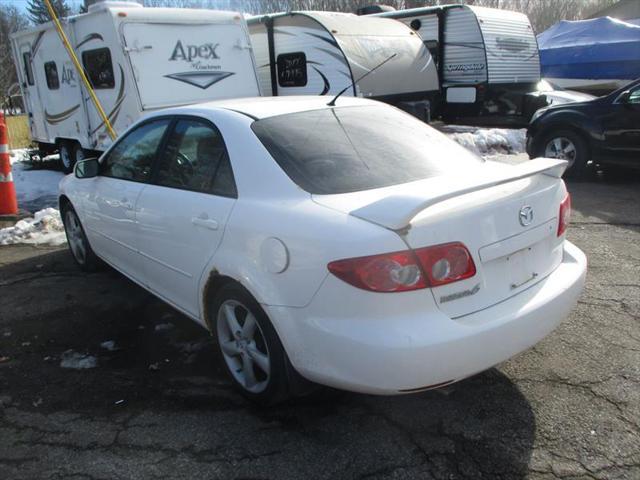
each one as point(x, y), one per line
point(158, 406)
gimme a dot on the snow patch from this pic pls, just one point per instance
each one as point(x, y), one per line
point(78, 361)
point(488, 141)
point(44, 228)
point(35, 189)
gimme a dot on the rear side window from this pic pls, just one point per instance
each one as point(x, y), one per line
point(132, 157)
point(51, 74)
point(99, 68)
point(28, 69)
point(196, 159)
point(348, 149)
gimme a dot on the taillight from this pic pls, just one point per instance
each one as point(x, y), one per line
point(446, 263)
point(564, 215)
point(407, 270)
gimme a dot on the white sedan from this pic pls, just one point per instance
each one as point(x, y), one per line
point(351, 246)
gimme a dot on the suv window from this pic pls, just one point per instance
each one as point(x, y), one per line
point(51, 74)
point(634, 97)
point(349, 149)
point(196, 159)
point(97, 63)
point(131, 158)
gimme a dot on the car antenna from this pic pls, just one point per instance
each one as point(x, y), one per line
point(332, 103)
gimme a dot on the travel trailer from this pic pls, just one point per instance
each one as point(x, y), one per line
point(487, 61)
point(322, 53)
point(136, 59)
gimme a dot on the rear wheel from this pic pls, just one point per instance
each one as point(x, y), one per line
point(78, 244)
point(249, 346)
point(566, 145)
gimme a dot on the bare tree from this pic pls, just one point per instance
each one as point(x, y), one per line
point(11, 20)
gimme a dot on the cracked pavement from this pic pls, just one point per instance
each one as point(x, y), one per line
point(569, 408)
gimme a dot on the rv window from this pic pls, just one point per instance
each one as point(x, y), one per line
point(196, 159)
point(51, 74)
point(292, 69)
point(132, 156)
point(28, 71)
point(349, 149)
point(433, 47)
point(97, 64)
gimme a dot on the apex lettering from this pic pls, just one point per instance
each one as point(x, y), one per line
point(206, 51)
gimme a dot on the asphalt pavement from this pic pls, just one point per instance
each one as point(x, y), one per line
point(157, 405)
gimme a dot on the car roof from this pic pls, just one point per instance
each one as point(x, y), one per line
point(264, 107)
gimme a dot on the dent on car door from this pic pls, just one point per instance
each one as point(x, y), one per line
point(110, 208)
point(183, 213)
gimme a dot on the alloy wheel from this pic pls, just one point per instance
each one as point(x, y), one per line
point(243, 346)
point(561, 148)
point(75, 237)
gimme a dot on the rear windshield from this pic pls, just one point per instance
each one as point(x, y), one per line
point(349, 149)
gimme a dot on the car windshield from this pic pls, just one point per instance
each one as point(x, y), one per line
point(349, 149)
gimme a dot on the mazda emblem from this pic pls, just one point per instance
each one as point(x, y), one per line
point(526, 215)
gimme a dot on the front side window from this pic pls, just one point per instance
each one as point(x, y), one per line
point(196, 159)
point(292, 69)
point(99, 68)
point(131, 158)
point(634, 97)
point(51, 74)
point(349, 149)
point(28, 69)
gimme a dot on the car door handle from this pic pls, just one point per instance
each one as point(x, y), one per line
point(126, 204)
point(205, 222)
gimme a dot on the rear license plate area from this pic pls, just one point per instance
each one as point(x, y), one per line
point(520, 268)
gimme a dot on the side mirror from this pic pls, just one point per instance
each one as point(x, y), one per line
point(87, 168)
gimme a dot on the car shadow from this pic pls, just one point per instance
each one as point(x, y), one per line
point(163, 376)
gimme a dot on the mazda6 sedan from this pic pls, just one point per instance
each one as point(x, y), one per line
point(351, 245)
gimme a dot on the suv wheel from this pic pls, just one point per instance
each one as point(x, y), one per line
point(566, 145)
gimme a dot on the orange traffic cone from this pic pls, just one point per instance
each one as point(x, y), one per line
point(8, 201)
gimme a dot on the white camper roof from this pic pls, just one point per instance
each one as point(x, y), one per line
point(344, 24)
point(127, 11)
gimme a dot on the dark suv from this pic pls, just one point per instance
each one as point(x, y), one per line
point(604, 130)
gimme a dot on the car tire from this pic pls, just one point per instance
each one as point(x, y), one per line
point(249, 346)
point(79, 246)
point(566, 145)
point(67, 159)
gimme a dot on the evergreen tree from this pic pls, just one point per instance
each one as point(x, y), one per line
point(38, 12)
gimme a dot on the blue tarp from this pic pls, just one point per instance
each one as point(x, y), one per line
point(601, 48)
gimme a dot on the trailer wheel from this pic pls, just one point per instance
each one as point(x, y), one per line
point(67, 160)
point(78, 153)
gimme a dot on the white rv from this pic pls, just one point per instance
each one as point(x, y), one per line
point(321, 53)
point(487, 60)
point(137, 59)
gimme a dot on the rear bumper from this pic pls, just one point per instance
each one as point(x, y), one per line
point(392, 343)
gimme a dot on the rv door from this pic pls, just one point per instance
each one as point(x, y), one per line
point(178, 64)
point(31, 95)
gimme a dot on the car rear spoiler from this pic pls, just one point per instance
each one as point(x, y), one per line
point(396, 211)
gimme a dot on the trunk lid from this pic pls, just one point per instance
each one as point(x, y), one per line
point(507, 216)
